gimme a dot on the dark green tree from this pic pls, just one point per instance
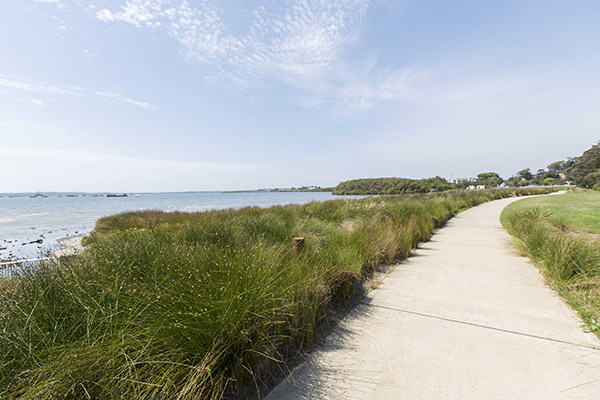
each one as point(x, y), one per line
point(585, 170)
point(550, 181)
point(538, 178)
point(556, 166)
point(525, 174)
point(513, 181)
point(489, 179)
point(551, 174)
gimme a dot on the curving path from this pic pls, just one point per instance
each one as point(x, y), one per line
point(465, 318)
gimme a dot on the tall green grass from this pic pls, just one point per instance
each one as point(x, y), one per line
point(570, 260)
point(202, 305)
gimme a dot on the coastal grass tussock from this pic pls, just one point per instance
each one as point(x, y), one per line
point(201, 305)
point(568, 258)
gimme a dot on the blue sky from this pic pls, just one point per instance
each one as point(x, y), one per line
point(173, 95)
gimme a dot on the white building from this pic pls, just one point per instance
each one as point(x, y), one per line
point(456, 181)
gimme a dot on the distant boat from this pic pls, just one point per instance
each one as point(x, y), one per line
point(38, 194)
point(116, 195)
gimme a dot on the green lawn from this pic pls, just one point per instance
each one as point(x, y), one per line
point(570, 261)
point(578, 210)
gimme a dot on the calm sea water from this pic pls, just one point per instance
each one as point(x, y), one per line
point(24, 219)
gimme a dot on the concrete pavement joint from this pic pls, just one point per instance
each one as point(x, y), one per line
point(588, 346)
point(465, 266)
point(583, 384)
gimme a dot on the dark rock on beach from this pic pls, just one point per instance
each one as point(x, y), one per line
point(40, 241)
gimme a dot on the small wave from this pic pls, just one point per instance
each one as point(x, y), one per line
point(33, 214)
point(21, 216)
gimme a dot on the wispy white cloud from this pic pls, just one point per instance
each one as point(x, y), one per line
point(45, 5)
point(40, 87)
point(36, 102)
point(119, 98)
point(300, 43)
point(31, 86)
point(358, 91)
point(87, 53)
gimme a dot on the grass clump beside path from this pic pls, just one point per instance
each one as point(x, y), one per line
point(201, 305)
point(559, 233)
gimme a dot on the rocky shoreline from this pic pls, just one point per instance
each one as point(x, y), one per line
point(67, 246)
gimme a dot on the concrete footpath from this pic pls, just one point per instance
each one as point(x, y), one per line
point(465, 318)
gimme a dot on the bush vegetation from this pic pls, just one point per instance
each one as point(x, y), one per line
point(200, 305)
point(387, 186)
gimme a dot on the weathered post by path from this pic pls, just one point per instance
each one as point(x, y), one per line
point(298, 243)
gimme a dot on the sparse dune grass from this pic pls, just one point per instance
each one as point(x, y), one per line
point(570, 260)
point(201, 305)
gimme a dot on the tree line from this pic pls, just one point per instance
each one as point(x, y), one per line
point(583, 171)
point(404, 185)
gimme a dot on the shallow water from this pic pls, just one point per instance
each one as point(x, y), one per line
point(24, 219)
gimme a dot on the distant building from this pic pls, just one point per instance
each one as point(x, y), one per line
point(562, 175)
point(457, 181)
point(473, 187)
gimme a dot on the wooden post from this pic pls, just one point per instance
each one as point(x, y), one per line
point(298, 243)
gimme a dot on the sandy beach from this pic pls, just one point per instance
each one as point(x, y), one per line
point(69, 245)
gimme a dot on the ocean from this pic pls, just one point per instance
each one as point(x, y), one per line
point(31, 227)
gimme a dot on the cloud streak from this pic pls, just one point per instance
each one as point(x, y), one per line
point(76, 91)
point(87, 53)
point(36, 102)
point(301, 43)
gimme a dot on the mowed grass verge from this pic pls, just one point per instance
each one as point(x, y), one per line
point(559, 233)
point(575, 210)
point(201, 305)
